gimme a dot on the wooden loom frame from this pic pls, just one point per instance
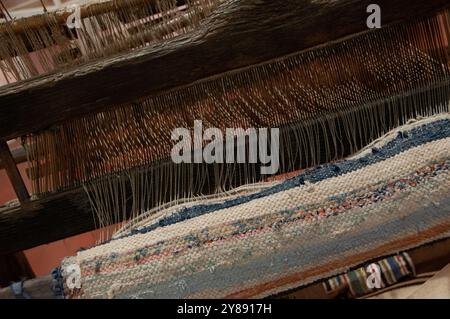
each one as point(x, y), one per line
point(225, 43)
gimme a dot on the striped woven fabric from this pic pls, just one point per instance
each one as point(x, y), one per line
point(393, 196)
point(358, 282)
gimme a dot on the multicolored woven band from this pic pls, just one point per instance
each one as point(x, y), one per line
point(359, 282)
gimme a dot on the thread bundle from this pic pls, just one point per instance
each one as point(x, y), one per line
point(43, 44)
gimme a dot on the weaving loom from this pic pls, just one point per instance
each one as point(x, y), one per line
point(364, 141)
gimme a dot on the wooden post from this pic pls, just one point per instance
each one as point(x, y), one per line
point(19, 155)
point(13, 173)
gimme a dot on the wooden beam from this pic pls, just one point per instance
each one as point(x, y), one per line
point(13, 173)
point(240, 34)
point(45, 220)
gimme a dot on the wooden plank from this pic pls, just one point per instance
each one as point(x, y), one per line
point(13, 173)
point(240, 34)
point(45, 220)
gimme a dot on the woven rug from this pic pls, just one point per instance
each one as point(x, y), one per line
point(393, 196)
